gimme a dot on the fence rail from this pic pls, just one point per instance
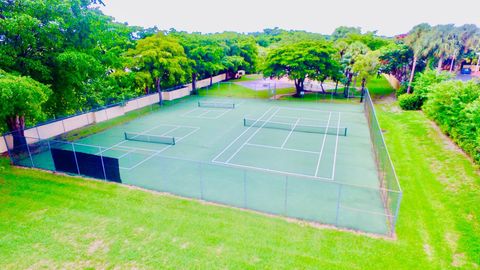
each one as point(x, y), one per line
point(387, 176)
point(57, 127)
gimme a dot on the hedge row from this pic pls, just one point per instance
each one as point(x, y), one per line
point(455, 106)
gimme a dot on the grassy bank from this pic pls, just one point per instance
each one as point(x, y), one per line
point(54, 221)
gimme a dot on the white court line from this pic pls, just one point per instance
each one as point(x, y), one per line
point(222, 114)
point(300, 118)
point(205, 112)
point(185, 114)
point(160, 151)
point(124, 141)
point(236, 139)
point(273, 171)
point(290, 134)
point(305, 110)
point(323, 145)
point(336, 147)
point(169, 131)
point(124, 155)
point(282, 148)
point(251, 136)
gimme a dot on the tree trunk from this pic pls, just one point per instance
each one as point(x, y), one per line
point(321, 86)
point(299, 87)
point(347, 85)
point(409, 88)
point(211, 80)
point(194, 84)
point(363, 89)
point(440, 64)
point(336, 87)
point(16, 125)
point(159, 90)
point(451, 63)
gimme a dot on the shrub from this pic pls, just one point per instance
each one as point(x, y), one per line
point(455, 106)
point(410, 102)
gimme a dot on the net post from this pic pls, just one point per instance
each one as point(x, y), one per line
point(125, 135)
point(173, 140)
point(199, 103)
point(75, 156)
point(346, 131)
point(244, 122)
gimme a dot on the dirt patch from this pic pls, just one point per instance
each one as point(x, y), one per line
point(458, 260)
point(448, 143)
point(428, 251)
point(385, 99)
point(97, 245)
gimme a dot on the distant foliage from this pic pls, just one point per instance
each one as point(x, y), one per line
point(455, 106)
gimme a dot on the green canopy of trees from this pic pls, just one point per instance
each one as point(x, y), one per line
point(299, 61)
point(83, 59)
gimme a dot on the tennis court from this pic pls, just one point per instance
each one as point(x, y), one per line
point(309, 161)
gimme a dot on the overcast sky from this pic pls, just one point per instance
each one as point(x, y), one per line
point(388, 17)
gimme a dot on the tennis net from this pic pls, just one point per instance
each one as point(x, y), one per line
point(210, 104)
point(149, 138)
point(341, 131)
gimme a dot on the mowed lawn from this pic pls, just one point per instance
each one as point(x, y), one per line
point(52, 221)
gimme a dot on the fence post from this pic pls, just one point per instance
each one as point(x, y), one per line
point(394, 221)
point(245, 188)
point(75, 156)
point(201, 179)
point(29, 153)
point(50, 150)
point(103, 163)
point(338, 203)
point(8, 149)
point(285, 201)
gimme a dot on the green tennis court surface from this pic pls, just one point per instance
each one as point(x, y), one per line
point(302, 160)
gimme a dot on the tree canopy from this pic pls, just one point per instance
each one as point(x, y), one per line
point(299, 61)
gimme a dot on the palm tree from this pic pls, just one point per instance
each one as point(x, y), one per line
point(419, 39)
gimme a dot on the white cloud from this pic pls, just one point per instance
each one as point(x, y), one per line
point(388, 17)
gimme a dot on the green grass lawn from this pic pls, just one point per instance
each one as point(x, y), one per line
point(53, 221)
point(249, 77)
point(231, 89)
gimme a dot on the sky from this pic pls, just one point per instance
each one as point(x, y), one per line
point(389, 18)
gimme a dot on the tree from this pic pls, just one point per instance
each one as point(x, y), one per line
point(161, 60)
point(353, 51)
point(312, 60)
point(206, 53)
point(365, 66)
point(74, 75)
point(418, 39)
point(344, 31)
point(235, 44)
point(394, 60)
point(21, 100)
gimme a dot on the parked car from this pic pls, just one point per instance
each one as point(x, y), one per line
point(466, 71)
